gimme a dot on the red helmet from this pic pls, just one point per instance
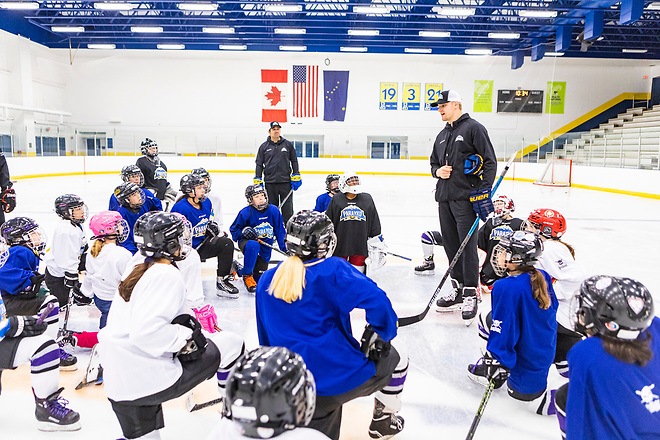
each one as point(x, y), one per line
point(549, 223)
point(503, 205)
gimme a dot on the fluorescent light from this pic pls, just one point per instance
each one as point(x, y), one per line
point(352, 49)
point(371, 9)
point(504, 35)
point(363, 32)
point(653, 6)
point(293, 48)
point(290, 31)
point(171, 46)
point(435, 34)
point(283, 8)
point(233, 47)
point(101, 46)
point(453, 12)
point(147, 29)
point(67, 29)
point(634, 50)
point(554, 54)
point(115, 6)
point(537, 13)
point(478, 51)
point(416, 50)
point(19, 5)
point(197, 6)
point(218, 30)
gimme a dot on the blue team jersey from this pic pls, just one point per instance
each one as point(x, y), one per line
point(322, 202)
point(113, 204)
point(15, 275)
point(199, 218)
point(318, 326)
point(131, 219)
point(522, 335)
point(267, 224)
point(610, 399)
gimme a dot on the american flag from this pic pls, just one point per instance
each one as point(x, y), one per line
point(305, 91)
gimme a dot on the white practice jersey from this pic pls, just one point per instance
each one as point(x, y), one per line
point(567, 275)
point(65, 249)
point(104, 272)
point(230, 430)
point(137, 346)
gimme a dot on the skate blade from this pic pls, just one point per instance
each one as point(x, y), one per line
point(468, 322)
point(479, 380)
point(73, 367)
point(425, 273)
point(450, 309)
point(223, 294)
point(54, 427)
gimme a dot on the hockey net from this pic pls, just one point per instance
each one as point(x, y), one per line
point(557, 172)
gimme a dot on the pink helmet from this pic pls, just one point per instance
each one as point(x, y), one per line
point(109, 224)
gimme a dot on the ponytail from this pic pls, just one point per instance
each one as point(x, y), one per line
point(570, 248)
point(95, 250)
point(289, 280)
point(539, 286)
point(634, 351)
point(127, 285)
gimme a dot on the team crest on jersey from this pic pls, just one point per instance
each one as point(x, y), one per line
point(499, 232)
point(265, 230)
point(459, 138)
point(496, 326)
point(160, 173)
point(352, 212)
point(199, 230)
point(561, 264)
point(649, 400)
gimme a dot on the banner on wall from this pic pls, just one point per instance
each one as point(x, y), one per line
point(335, 83)
point(273, 97)
point(388, 96)
point(432, 93)
point(483, 96)
point(305, 91)
point(556, 97)
point(410, 98)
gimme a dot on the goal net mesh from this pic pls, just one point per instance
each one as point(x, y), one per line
point(557, 172)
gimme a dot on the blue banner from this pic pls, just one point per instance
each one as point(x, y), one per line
point(335, 83)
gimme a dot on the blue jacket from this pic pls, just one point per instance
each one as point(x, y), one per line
point(131, 219)
point(198, 218)
point(113, 204)
point(318, 326)
point(15, 275)
point(268, 224)
point(322, 202)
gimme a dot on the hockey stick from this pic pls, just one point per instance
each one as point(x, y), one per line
point(273, 247)
point(400, 256)
point(480, 411)
point(192, 406)
point(285, 199)
point(416, 318)
point(44, 314)
point(66, 315)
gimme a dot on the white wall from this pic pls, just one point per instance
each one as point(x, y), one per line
point(211, 100)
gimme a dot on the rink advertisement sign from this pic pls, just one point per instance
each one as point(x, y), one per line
point(410, 94)
point(432, 93)
point(554, 103)
point(388, 96)
point(483, 96)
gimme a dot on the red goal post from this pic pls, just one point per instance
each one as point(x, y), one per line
point(557, 172)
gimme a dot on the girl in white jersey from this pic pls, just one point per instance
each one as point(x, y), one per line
point(558, 260)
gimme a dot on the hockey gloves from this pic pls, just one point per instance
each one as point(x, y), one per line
point(495, 371)
point(257, 181)
point(212, 230)
point(207, 318)
point(249, 234)
point(481, 203)
point(8, 199)
point(79, 298)
point(196, 345)
point(16, 326)
point(296, 181)
point(35, 283)
point(373, 346)
point(70, 279)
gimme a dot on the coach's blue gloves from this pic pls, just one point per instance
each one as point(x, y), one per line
point(257, 181)
point(296, 181)
point(481, 203)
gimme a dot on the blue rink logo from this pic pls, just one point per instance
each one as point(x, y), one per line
point(352, 212)
point(265, 230)
point(200, 228)
point(500, 231)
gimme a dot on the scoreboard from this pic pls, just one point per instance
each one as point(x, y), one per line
point(520, 101)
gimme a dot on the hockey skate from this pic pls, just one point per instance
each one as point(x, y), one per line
point(225, 288)
point(250, 283)
point(237, 269)
point(470, 305)
point(94, 371)
point(53, 415)
point(477, 373)
point(426, 268)
point(67, 361)
point(453, 301)
point(384, 425)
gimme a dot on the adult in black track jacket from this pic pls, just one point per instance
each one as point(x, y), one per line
point(277, 160)
point(463, 161)
point(7, 194)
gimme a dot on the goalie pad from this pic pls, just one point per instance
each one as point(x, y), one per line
point(377, 251)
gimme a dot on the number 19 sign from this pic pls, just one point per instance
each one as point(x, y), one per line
point(410, 98)
point(433, 92)
point(388, 95)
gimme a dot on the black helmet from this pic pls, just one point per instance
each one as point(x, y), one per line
point(191, 181)
point(201, 172)
point(310, 235)
point(131, 170)
point(23, 231)
point(123, 193)
point(612, 306)
point(161, 234)
point(145, 145)
point(64, 206)
point(253, 190)
point(519, 247)
point(328, 181)
point(270, 388)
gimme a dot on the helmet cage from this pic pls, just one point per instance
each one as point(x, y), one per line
point(66, 204)
point(204, 175)
point(503, 206)
point(109, 224)
point(146, 148)
point(163, 235)
point(310, 235)
point(253, 190)
point(130, 171)
point(189, 184)
point(328, 183)
point(520, 248)
point(350, 183)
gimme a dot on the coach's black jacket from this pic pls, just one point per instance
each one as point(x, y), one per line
point(276, 160)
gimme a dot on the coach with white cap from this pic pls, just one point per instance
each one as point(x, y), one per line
point(463, 161)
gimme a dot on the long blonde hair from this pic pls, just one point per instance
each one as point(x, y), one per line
point(289, 280)
point(95, 250)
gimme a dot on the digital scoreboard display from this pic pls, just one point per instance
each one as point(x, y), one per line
point(520, 101)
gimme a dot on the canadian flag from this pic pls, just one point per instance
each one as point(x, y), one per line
point(274, 99)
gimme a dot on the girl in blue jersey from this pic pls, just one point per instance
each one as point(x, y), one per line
point(208, 240)
point(305, 304)
point(133, 205)
point(521, 328)
point(331, 188)
point(132, 173)
point(614, 377)
point(258, 222)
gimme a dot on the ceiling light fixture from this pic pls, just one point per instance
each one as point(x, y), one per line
point(537, 13)
point(504, 35)
point(197, 6)
point(283, 8)
point(478, 51)
point(634, 50)
point(171, 46)
point(115, 6)
point(233, 47)
point(19, 5)
point(147, 29)
point(371, 9)
point(70, 29)
point(417, 50)
point(290, 31)
point(218, 30)
point(293, 48)
point(101, 46)
point(434, 34)
point(363, 32)
point(554, 54)
point(454, 12)
point(352, 49)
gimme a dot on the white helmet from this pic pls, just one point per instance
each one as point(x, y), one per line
point(354, 187)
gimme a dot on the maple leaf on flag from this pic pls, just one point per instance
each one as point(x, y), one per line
point(274, 96)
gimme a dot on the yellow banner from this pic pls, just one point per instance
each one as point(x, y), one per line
point(410, 98)
point(388, 95)
point(433, 91)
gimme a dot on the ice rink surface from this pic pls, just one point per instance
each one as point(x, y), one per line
point(612, 234)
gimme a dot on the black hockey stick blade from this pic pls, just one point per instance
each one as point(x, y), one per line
point(192, 406)
point(480, 411)
point(407, 320)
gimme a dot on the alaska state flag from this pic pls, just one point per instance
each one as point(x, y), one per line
point(335, 83)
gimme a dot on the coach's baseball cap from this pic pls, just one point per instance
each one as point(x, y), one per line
point(275, 124)
point(447, 96)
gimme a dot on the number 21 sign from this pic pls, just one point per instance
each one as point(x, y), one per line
point(433, 92)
